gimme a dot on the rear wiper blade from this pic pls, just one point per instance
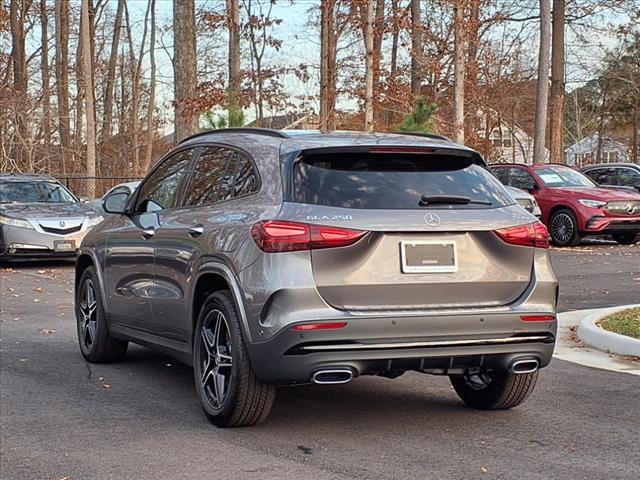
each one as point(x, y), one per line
point(427, 200)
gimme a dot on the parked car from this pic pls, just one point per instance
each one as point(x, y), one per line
point(268, 258)
point(625, 175)
point(573, 205)
point(526, 201)
point(40, 218)
point(128, 187)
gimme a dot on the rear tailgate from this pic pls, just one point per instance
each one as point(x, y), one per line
point(435, 256)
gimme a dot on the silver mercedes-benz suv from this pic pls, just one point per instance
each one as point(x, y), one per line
point(269, 258)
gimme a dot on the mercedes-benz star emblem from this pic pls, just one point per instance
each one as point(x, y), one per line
point(630, 207)
point(62, 224)
point(432, 219)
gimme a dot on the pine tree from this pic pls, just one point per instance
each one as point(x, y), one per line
point(420, 120)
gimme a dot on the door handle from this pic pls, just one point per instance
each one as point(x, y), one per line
point(147, 233)
point(196, 231)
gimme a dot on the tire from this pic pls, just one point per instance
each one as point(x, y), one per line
point(563, 228)
point(228, 389)
point(96, 344)
point(496, 390)
point(625, 238)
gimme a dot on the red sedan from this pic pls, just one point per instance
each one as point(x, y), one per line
point(573, 205)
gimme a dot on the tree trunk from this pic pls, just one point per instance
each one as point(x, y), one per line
point(395, 35)
point(88, 84)
point(327, 8)
point(472, 31)
point(107, 119)
point(152, 92)
point(459, 71)
point(601, 124)
point(80, 89)
point(556, 100)
point(184, 67)
point(378, 34)
point(46, 82)
point(369, 67)
point(542, 90)
point(233, 25)
point(62, 79)
point(416, 48)
point(136, 69)
point(17, 21)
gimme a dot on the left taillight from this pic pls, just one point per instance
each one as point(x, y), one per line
point(530, 235)
point(273, 236)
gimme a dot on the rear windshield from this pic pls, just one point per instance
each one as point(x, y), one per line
point(394, 181)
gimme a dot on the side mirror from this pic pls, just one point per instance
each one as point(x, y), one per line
point(532, 189)
point(116, 203)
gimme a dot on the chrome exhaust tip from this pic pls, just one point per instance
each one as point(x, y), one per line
point(333, 376)
point(524, 366)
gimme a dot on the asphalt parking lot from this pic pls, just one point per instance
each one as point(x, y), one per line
point(64, 419)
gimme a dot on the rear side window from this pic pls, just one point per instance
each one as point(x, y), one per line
point(220, 174)
point(393, 181)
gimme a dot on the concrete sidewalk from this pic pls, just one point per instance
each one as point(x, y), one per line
point(570, 348)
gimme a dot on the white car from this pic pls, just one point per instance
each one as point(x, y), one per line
point(128, 187)
point(525, 200)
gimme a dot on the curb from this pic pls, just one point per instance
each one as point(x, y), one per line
point(591, 334)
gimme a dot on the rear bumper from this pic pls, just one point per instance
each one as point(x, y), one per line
point(387, 345)
point(607, 225)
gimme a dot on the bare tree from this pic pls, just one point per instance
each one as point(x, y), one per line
point(136, 71)
point(152, 90)
point(235, 79)
point(107, 119)
point(416, 48)
point(327, 65)
point(17, 20)
point(369, 67)
point(46, 78)
point(542, 90)
point(62, 78)
point(88, 84)
point(459, 70)
point(556, 99)
point(395, 31)
point(184, 67)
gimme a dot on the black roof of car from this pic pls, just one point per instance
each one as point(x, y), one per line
point(610, 165)
point(25, 177)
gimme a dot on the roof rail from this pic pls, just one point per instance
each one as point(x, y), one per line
point(426, 135)
point(257, 131)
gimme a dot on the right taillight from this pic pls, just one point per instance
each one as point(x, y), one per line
point(530, 235)
point(273, 236)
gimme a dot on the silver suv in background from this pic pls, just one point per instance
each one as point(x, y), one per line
point(267, 258)
point(40, 218)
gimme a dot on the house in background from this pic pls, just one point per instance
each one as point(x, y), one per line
point(585, 151)
point(509, 142)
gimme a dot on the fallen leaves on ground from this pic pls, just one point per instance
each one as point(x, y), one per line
point(47, 331)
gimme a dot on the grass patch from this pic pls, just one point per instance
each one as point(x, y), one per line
point(626, 322)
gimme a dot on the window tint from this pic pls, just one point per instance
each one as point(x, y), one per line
point(207, 177)
point(388, 181)
point(628, 177)
point(521, 179)
point(161, 188)
point(603, 176)
point(501, 173)
point(220, 174)
point(246, 177)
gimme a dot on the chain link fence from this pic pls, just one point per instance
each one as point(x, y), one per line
point(93, 187)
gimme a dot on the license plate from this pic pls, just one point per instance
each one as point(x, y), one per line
point(428, 257)
point(64, 246)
